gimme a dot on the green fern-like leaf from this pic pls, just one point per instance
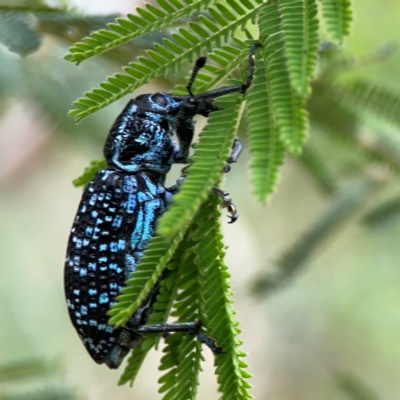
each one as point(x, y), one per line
point(328, 111)
point(25, 369)
point(209, 158)
point(188, 43)
point(161, 310)
point(266, 148)
point(182, 358)
point(339, 111)
point(344, 206)
point(366, 96)
point(334, 60)
point(287, 104)
point(338, 17)
point(154, 261)
point(319, 169)
point(385, 213)
point(200, 278)
point(300, 33)
point(50, 393)
point(136, 359)
point(217, 311)
point(226, 60)
point(89, 172)
point(354, 387)
point(177, 352)
point(182, 355)
point(149, 19)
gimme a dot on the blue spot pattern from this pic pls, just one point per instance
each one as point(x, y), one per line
point(118, 212)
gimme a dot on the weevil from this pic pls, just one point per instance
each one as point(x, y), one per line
point(119, 209)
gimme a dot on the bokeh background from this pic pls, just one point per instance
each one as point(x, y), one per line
point(337, 320)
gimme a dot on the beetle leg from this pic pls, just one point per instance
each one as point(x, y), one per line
point(192, 328)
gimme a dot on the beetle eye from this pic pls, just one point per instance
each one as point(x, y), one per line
point(159, 99)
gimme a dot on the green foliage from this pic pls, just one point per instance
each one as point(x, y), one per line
point(343, 207)
point(354, 387)
point(149, 19)
point(344, 144)
point(210, 156)
point(42, 394)
point(155, 259)
point(287, 96)
point(315, 164)
point(278, 122)
point(385, 213)
point(24, 369)
point(89, 172)
point(204, 294)
point(329, 113)
point(300, 34)
point(225, 61)
point(190, 42)
point(266, 148)
point(189, 246)
point(197, 284)
point(217, 311)
point(162, 307)
point(15, 375)
point(182, 354)
point(338, 17)
point(287, 104)
point(372, 98)
point(289, 34)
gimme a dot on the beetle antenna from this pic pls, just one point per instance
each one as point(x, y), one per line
point(200, 62)
point(250, 74)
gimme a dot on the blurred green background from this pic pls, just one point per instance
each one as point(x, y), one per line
point(339, 317)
